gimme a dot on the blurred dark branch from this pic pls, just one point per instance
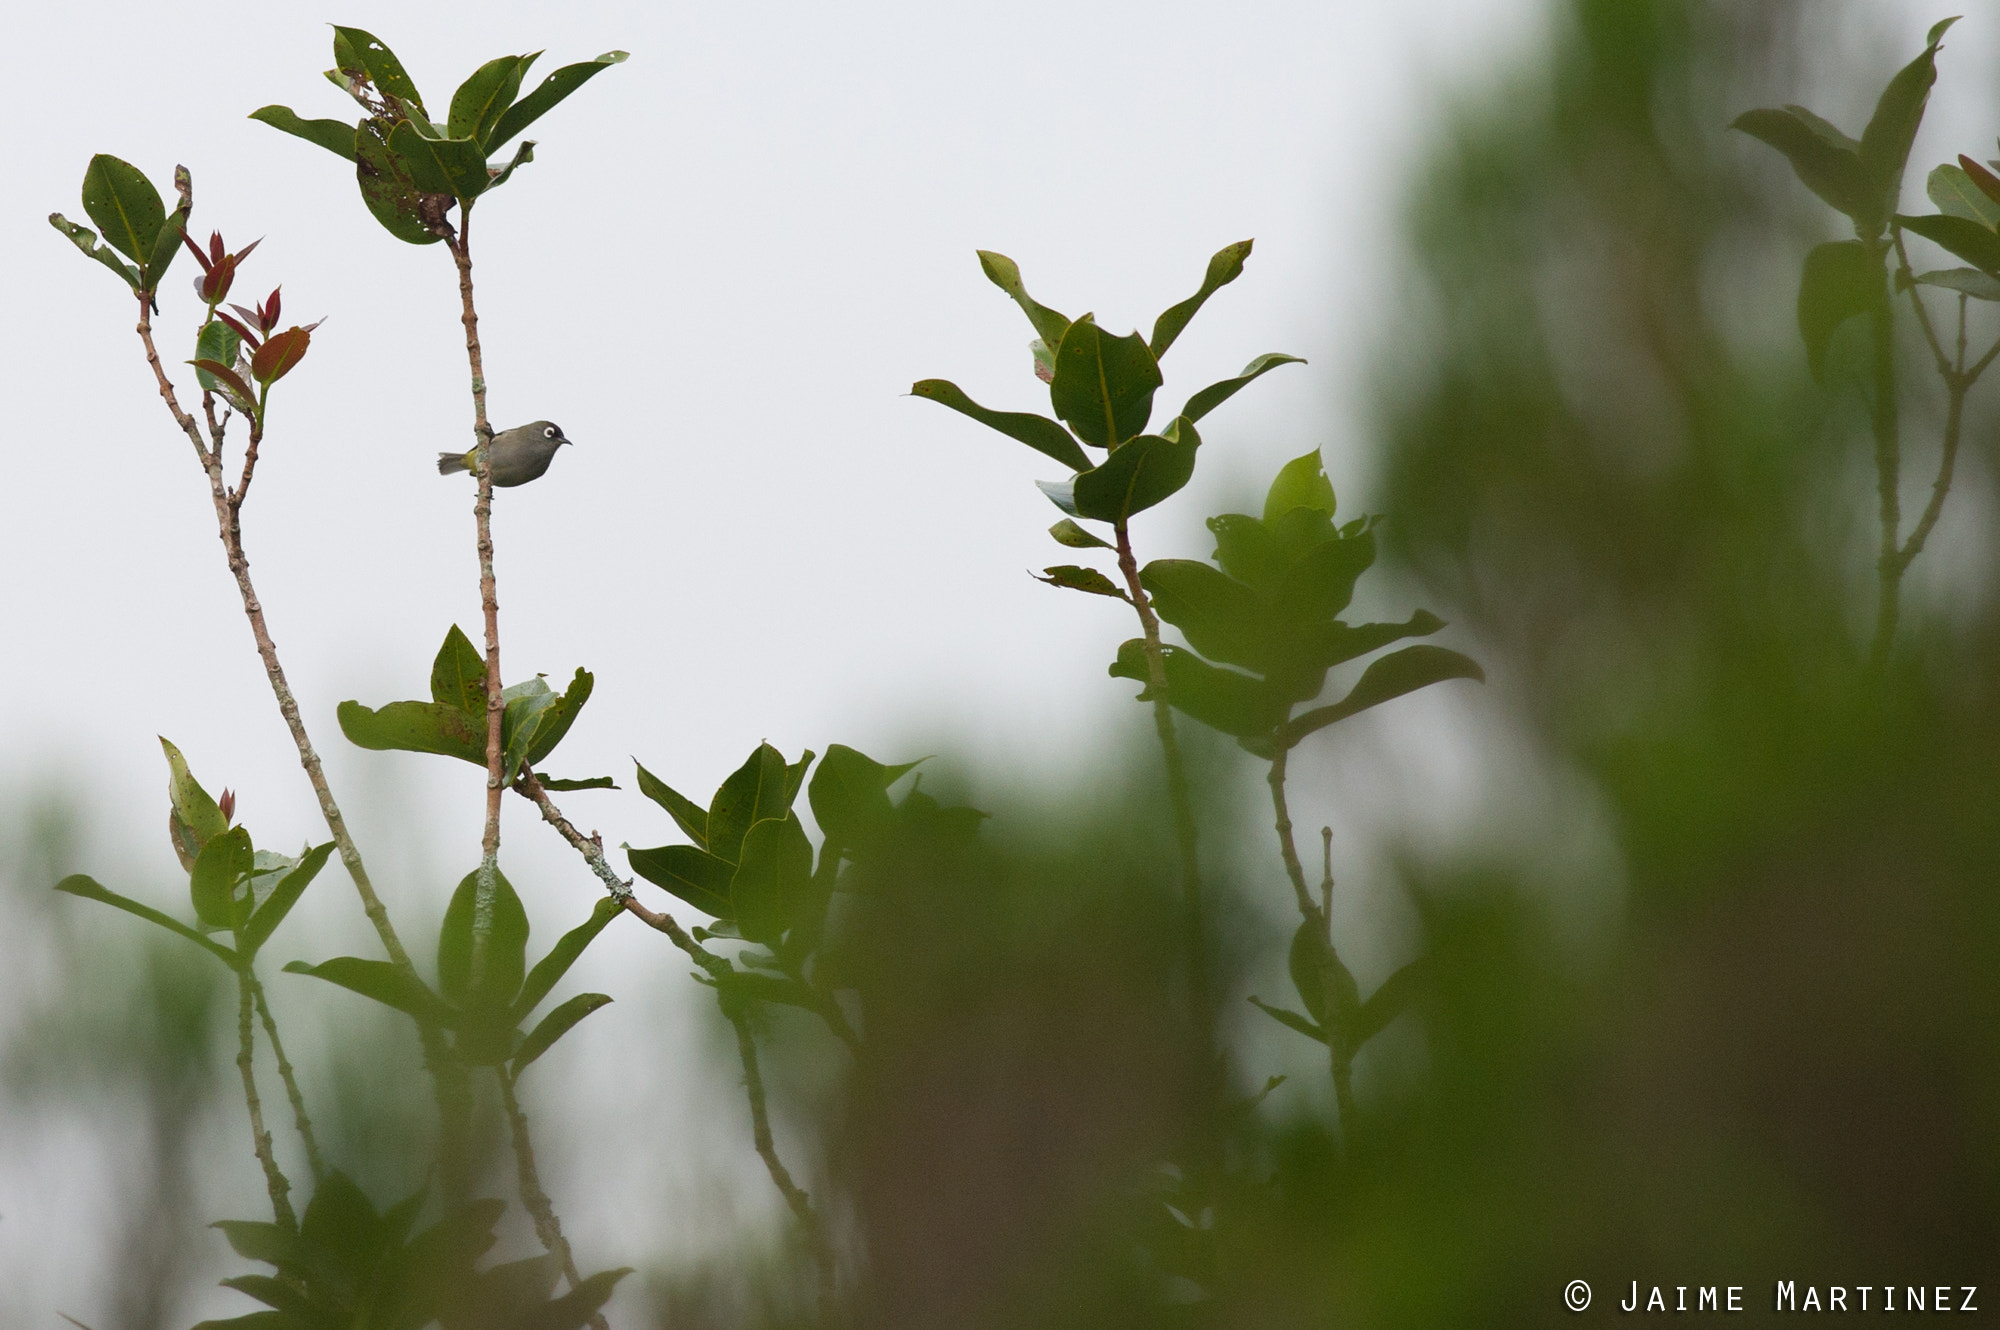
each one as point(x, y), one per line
point(760, 1125)
point(536, 1201)
point(285, 1074)
point(246, 1057)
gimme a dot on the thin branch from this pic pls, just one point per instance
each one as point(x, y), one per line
point(285, 1074)
point(1326, 881)
point(795, 1197)
point(592, 849)
point(489, 601)
point(453, 1093)
point(246, 1051)
point(1979, 367)
point(1287, 850)
point(533, 1199)
point(1177, 788)
point(1947, 463)
point(1907, 280)
point(1340, 1048)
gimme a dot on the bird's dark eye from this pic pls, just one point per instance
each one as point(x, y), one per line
point(550, 432)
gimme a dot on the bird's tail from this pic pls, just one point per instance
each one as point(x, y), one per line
point(451, 462)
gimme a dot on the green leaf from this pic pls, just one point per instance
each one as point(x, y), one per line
point(76, 884)
point(1038, 432)
point(757, 986)
point(218, 871)
point(1061, 493)
point(1139, 473)
point(283, 897)
point(219, 343)
point(554, 1026)
point(592, 783)
point(506, 958)
point(416, 727)
point(696, 876)
point(359, 52)
point(1300, 483)
point(1005, 274)
point(387, 187)
point(227, 382)
point(1885, 144)
point(1320, 584)
point(191, 802)
point(552, 967)
point(1842, 280)
point(1221, 617)
point(1069, 533)
point(261, 1242)
point(1977, 245)
point(1233, 703)
point(1323, 983)
point(773, 876)
point(575, 1308)
point(1390, 1000)
point(1104, 385)
point(166, 247)
point(1225, 267)
point(85, 239)
point(536, 718)
point(1302, 1024)
point(458, 676)
point(267, 1320)
point(1954, 192)
point(522, 156)
point(273, 1292)
point(1083, 579)
point(1967, 281)
point(544, 98)
point(482, 99)
point(336, 136)
point(849, 795)
point(795, 776)
point(441, 166)
point(1391, 677)
point(381, 982)
point(1835, 174)
point(340, 1234)
point(1826, 129)
point(1216, 394)
point(127, 209)
point(754, 791)
point(1320, 647)
point(689, 816)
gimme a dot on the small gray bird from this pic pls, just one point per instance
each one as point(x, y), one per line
point(519, 455)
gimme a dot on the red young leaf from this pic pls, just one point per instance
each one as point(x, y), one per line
point(215, 243)
point(231, 379)
point(241, 331)
point(277, 356)
point(1988, 183)
point(215, 284)
point(226, 805)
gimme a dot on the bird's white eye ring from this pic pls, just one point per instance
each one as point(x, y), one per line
point(549, 432)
